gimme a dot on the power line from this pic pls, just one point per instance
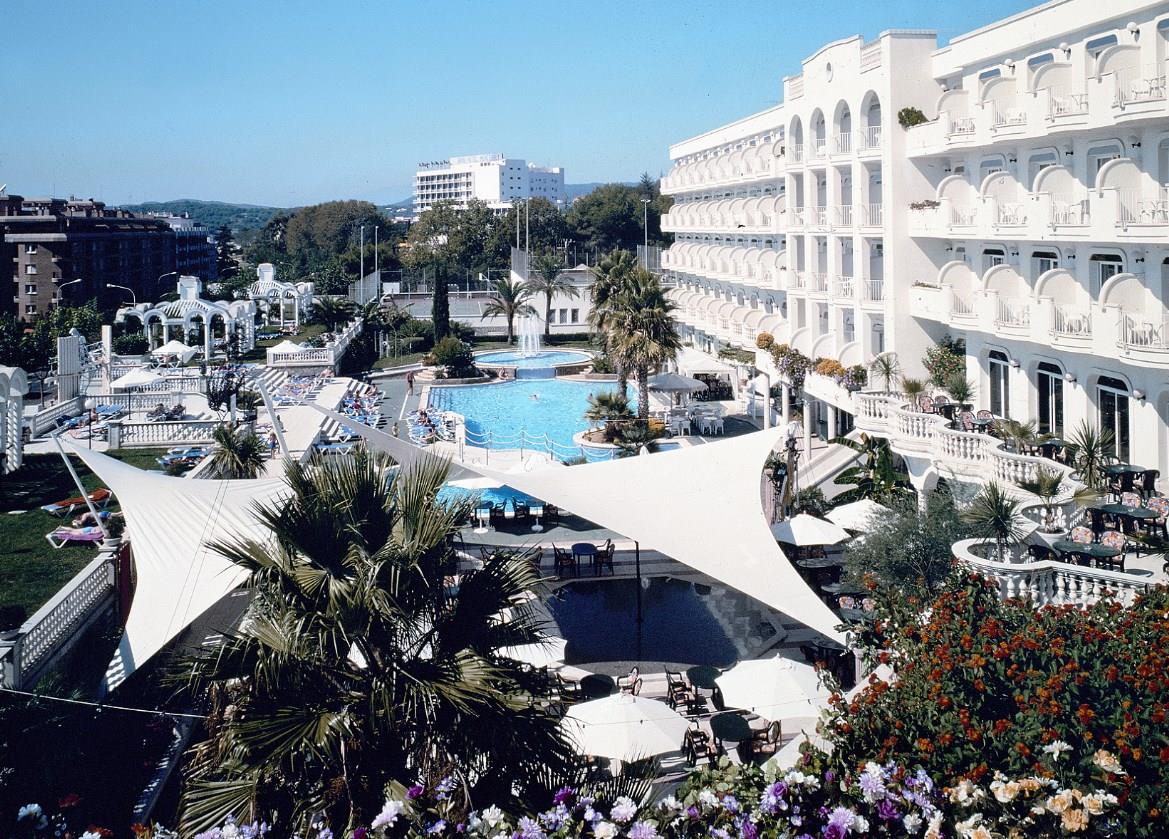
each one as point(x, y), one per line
point(101, 706)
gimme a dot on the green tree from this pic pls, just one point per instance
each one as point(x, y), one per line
point(542, 228)
point(609, 217)
point(358, 664)
point(1092, 448)
point(239, 453)
point(509, 300)
point(611, 277)
point(334, 312)
point(874, 475)
point(440, 309)
point(643, 332)
point(550, 280)
point(225, 262)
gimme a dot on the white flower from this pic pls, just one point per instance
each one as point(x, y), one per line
point(29, 811)
point(91, 834)
point(670, 805)
point(228, 831)
point(912, 823)
point(605, 830)
point(707, 798)
point(1004, 791)
point(934, 831)
point(623, 810)
point(861, 825)
point(493, 816)
point(1107, 761)
point(1056, 748)
point(388, 815)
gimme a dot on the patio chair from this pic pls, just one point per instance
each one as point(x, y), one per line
point(678, 691)
point(1114, 539)
point(1148, 486)
point(698, 745)
point(1160, 505)
point(766, 741)
point(604, 557)
point(1131, 499)
point(1082, 535)
point(1040, 553)
point(926, 404)
point(1122, 483)
point(966, 421)
point(631, 683)
point(63, 536)
point(563, 561)
point(567, 689)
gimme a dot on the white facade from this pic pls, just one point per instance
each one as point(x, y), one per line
point(1039, 229)
point(492, 178)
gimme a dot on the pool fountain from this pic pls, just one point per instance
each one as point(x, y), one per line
point(528, 360)
point(529, 336)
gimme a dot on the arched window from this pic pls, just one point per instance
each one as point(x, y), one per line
point(1112, 397)
point(999, 368)
point(1049, 382)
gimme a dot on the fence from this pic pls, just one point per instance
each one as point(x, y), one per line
point(146, 435)
point(329, 355)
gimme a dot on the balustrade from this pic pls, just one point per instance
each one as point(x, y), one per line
point(1071, 321)
point(873, 213)
point(874, 290)
point(1139, 84)
point(1013, 313)
point(844, 215)
point(1063, 103)
point(869, 139)
point(1065, 210)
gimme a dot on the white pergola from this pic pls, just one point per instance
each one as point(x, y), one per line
point(236, 317)
point(291, 301)
point(13, 387)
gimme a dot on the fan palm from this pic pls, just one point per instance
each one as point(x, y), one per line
point(1092, 448)
point(994, 514)
point(642, 331)
point(608, 405)
point(239, 453)
point(332, 311)
point(1019, 434)
point(875, 476)
point(913, 390)
point(611, 278)
point(359, 663)
point(509, 300)
point(1048, 486)
point(550, 281)
point(887, 368)
point(961, 390)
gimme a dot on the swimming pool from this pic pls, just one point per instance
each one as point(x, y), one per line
point(544, 358)
point(540, 414)
point(683, 622)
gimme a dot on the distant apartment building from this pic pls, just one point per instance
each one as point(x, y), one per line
point(194, 249)
point(51, 242)
point(492, 178)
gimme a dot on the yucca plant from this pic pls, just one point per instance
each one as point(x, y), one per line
point(1093, 448)
point(961, 390)
point(913, 390)
point(1046, 486)
point(1018, 434)
point(887, 368)
point(239, 453)
point(994, 515)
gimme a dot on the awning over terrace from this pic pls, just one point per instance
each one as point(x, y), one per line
point(711, 518)
point(171, 523)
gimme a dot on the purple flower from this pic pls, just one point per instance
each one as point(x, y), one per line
point(438, 827)
point(529, 830)
point(445, 787)
point(829, 776)
point(324, 833)
point(415, 792)
point(771, 801)
point(359, 833)
point(843, 817)
point(562, 795)
point(748, 830)
point(692, 812)
point(643, 830)
point(887, 811)
point(730, 803)
point(834, 831)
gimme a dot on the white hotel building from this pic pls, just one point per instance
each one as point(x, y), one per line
point(494, 179)
point(1029, 215)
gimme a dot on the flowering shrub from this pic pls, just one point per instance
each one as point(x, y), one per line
point(945, 360)
point(792, 364)
point(1075, 698)
point(764, 341)
point(829, 367)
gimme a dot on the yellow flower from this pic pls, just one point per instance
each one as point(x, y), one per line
point(1060, 802)
point(1074, 820)
point(1107, 761)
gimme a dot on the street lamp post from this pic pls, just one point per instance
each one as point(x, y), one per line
point(133, 295)
point(645, 225)
point(162, 277)
point(60, 299)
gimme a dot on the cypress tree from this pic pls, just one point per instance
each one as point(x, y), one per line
point(441, 309)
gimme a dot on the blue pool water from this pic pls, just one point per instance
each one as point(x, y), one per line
point(599, 621)
point(551, 358)
point(546, 412)
point(493, 496)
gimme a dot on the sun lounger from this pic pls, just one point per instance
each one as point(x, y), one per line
point(99, 497)
point(62, 536)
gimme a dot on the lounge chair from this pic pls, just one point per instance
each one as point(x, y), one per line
point(62, 536)
point(99, 497)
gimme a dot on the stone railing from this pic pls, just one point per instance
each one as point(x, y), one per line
point(329, 355)
point(1051, 583)
point(962, 453)
point(130, 435)
point(42, 422)
point(26, 655)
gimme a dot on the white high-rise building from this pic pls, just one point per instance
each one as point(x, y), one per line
point(492, 178)
point(1028, 214)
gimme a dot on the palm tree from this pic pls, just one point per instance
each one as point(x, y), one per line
point(550, 281)
point(509, 300)
point(608, 405)
point(887, 368)
point(995, 515)
point(1019, 434)
point(359, 664)
point(610, 278)
point(961, 390)
point(239, 453)
point(642, 331)
point(1047, 485)
point(913, 390)
point(1092, 448)
point(332, 311)
point(874, 476)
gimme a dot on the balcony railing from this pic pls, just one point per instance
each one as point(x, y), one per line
point(843, 287)
point(1071, 321)
point(1013, 313)
point(961, 126)
point(818, 148)
point(799, 279)
point(872, 215)
point(962, 307)
point(817, 281)
point(844, 215)
point(796, 152)
point(1134, 207)
point(963, 216)
point(1143, 334)
point(843, 143)
point(1011, 214)
point(874, 290)
point(1135, 84)
point(1005, 115)
point(797, 216)
point(818, 216)
point(1066, 211)
point(869, 139)
point(1063, 103)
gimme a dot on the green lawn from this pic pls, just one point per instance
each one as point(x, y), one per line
point(31, 570)
point(260, 352)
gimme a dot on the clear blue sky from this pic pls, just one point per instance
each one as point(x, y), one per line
point(296, 102)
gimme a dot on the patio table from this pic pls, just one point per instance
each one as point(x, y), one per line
point(703, 676)
point(818, 563)
point(846, 589)
point(982, 424)
point(597, 686)
point(1085, 549)
point(1119, 468)
point(731, 727)
point(581, 550)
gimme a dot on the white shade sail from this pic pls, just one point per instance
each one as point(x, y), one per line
point(710, 516)
point(138, 377)
point(548, 651)
point(624, 727)
point(862, 515)
point(175, 348)
point(774, 688)
point(805, 530)
point(171, 522)
point(286, 346)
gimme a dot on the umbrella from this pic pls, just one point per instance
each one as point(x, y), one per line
point(540, 654)
point(675, 383)
point(624, 727)
point(138, 377)
point(864, 514)
point(475, 483)
point(286, 346)
point(808, 530)
point(174, 348)
point(774, 688)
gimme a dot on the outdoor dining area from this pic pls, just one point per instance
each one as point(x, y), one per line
point(681, 418)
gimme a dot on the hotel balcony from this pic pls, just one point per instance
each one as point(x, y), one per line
point(724, 319)
point(744, 166)
point(747, 266)
point(1126, 322)
point(1057, 102)
point(760, 214)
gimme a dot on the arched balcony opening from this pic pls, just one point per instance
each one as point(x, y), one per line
point(958, 199)
point(962, 282)
point(1064, 88)
point(1000, 100)
point(870, 118)
point(954, 108)
point(796, 145)
point(819, 135)
point(1004, 197)
point(842, 122)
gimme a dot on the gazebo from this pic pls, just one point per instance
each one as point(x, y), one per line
point(290, 301)
point(236, 317)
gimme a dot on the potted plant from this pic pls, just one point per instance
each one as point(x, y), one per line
point(1018, 434)
point(909, 117)
point(1046, 486)
point(887, 368)
point(1093, 448)
point(961, 390)
point(995, 516)
point(913, 390)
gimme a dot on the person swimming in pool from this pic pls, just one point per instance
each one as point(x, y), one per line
point(534, 396)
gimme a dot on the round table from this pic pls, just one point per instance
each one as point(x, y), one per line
point(1090, 550)
point(597, 686)
point(584, 550)
point(982, 424)
point(1118, 468)
point(703, 676)
point(818, 563)
point(484, 516)
point(837, 589)
point(731, 727)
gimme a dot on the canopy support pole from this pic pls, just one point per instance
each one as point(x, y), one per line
point(85, 494)
point(637, 566)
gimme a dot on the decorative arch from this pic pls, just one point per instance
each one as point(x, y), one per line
point(1062, 287)
point(1056, 180)
point(1129, 293)
point(1006, 280)
point(1121, 173)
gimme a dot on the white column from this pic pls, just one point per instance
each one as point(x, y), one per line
point(809, 418)
point(785, 403)
point(831, 419)
point(766, 400)
point(207, 339)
